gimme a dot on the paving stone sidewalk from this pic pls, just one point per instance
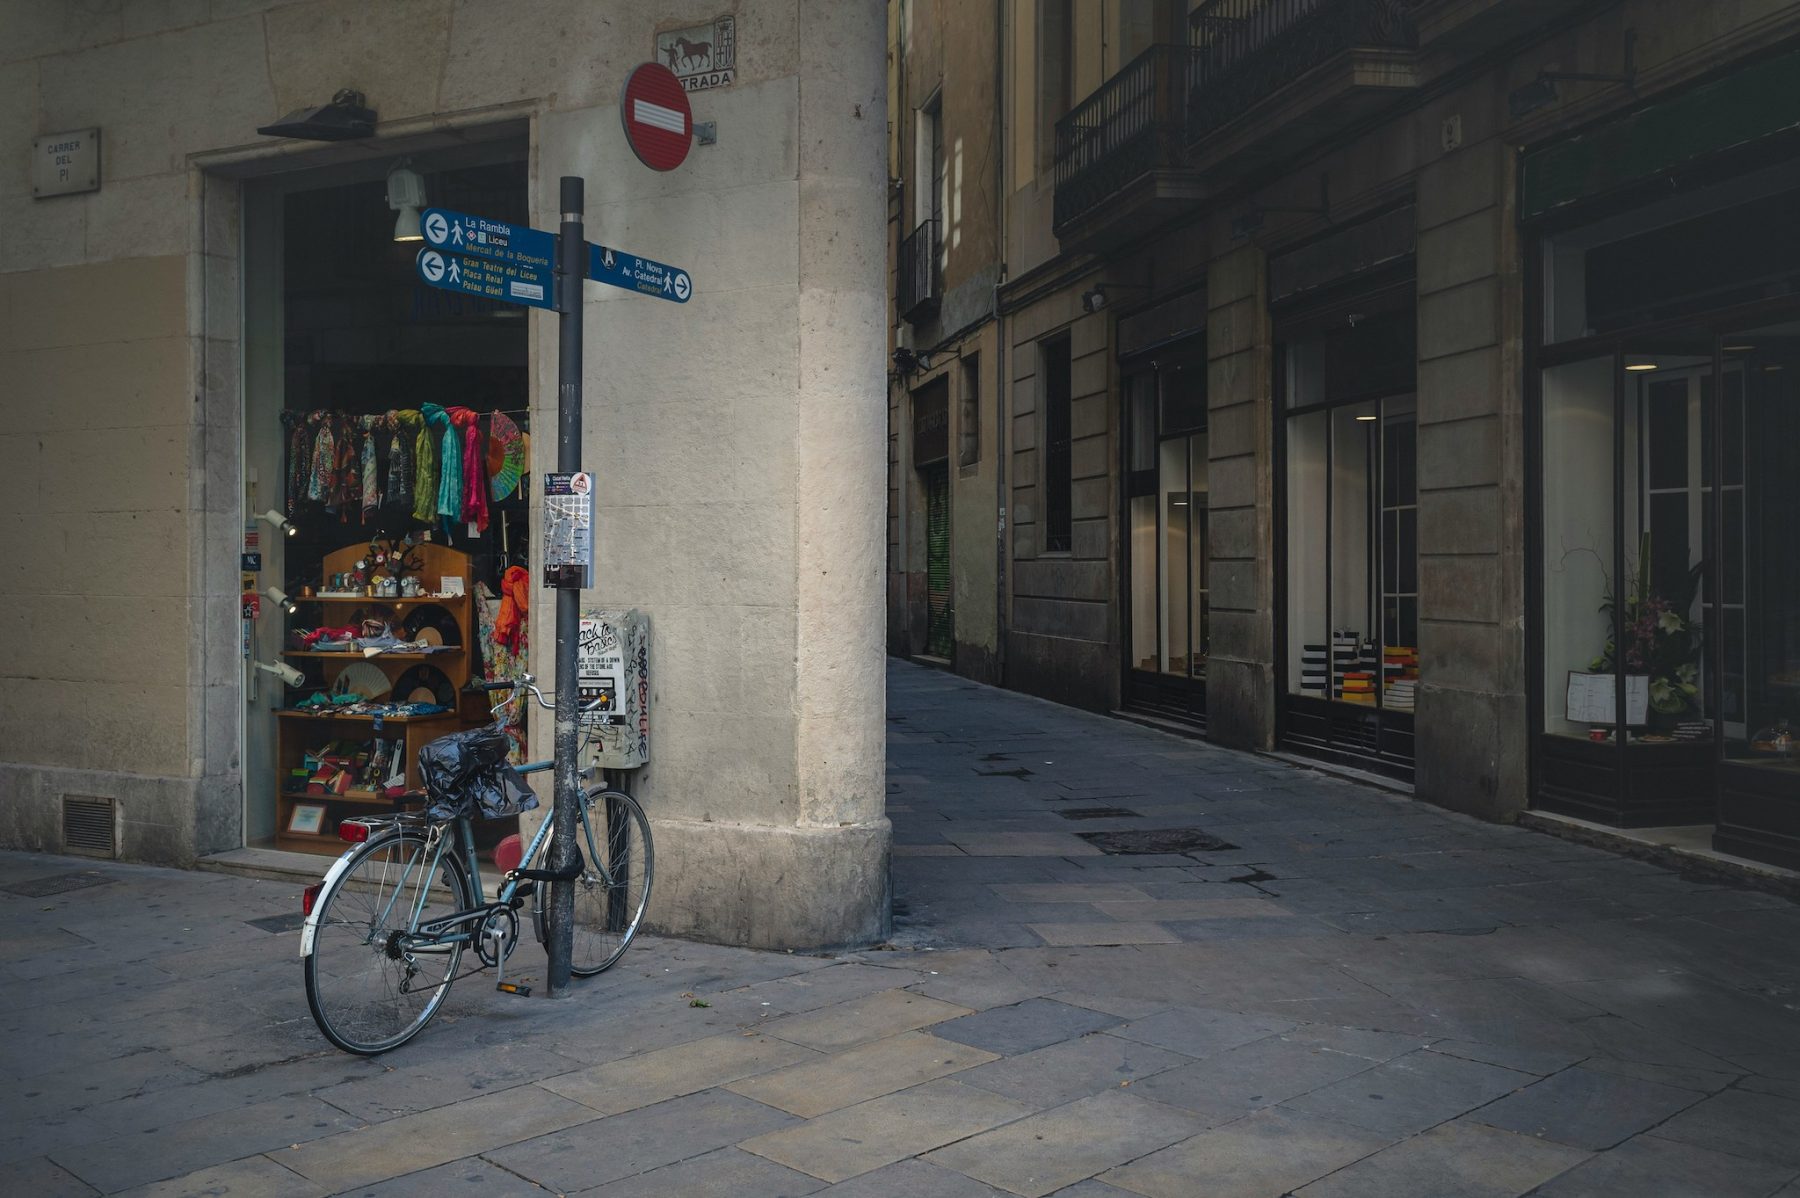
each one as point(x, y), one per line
point(1298, 986)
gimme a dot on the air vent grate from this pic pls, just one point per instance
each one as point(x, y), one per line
point(90, 826)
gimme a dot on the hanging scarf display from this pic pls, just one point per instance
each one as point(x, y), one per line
point(319, 474)
point(371, 476)
point(347, 491)
point(425, 468)
point(400, 471)
point(297, 461)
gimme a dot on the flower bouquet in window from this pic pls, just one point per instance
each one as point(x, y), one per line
point(1662, 642)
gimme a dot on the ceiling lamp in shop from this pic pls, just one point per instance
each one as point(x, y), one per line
point(406, 195)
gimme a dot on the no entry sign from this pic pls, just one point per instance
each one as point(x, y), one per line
point(659, 124)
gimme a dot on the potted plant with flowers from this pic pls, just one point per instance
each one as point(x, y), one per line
point(1661, 641)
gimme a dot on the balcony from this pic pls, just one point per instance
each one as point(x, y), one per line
point(1247, 51)
point(920, 282)
point(1257, 79)
point(1129, 129)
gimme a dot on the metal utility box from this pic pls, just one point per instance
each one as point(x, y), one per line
point(612, 662)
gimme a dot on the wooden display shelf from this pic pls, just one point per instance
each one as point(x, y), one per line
point(349, 796)
point(394, 600)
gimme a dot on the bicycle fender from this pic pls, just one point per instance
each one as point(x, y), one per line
point(311, 927)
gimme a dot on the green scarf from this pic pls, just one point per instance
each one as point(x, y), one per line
point(425, 466)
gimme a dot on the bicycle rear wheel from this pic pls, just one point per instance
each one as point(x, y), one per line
point(369, 989)
point(607, 916)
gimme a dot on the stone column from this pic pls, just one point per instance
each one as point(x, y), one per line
point(1240, 680)
point(1471, 724)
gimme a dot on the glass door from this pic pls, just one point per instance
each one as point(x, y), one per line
point(1166, 510)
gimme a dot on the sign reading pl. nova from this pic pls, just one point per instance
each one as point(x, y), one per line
point(460, 233)
point(619, 269)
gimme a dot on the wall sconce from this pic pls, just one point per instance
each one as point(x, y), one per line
point(1094, 299)
point(283, 671)
point(1523, 101)
point(278, 522)
point(406, 195)
point(280, 599)
point(346, 118)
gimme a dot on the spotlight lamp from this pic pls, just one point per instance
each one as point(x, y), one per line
point(1525, 100)
point(280, 599)
point(406, 195)
point(283, 671)
point(1095, 298)
point(278, 522)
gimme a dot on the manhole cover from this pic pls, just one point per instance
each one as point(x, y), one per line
point(278, 923)
point(1099, 813)
point(55, 884)
point(1156, 840)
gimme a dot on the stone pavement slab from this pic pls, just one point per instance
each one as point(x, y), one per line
point(860, 1020)
point(1073, 1069)
point(676, 1071)
point(1586, 1108)
point(843, 1143)
point(253, 1175)
point(861, 1073)
point(1646, 1165)
point(1410, 1093)
point(1067, 1144)
point(1268, 1153)
point(723, 1173)
point(1756, 1126)
point(1456, 1160)
point(1022, 1027)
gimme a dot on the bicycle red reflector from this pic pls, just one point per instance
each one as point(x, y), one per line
point(353, 832)
point(508, 853)
point(309, 896)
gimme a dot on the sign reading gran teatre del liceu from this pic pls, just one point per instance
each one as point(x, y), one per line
point(65, 163)
point(702, 56)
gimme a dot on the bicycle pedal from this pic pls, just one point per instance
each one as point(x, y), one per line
point(518, 988)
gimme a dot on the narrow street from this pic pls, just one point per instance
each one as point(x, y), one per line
point(1122, 963)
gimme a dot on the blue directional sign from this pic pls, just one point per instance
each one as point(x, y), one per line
point(619, 269)
point(460, 233)
point(509, 282)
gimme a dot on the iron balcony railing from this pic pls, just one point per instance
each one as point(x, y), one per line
point(1246, 50)
point(920, 283)
point(1131, 125)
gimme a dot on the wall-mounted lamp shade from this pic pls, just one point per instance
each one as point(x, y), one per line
point(346, 118)
point(277, 521)
point(406, 195)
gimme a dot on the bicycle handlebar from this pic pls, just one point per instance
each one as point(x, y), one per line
point(529, 685)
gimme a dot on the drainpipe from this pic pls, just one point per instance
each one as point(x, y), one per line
point(1002, 393)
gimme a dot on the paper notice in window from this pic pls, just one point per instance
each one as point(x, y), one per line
point(1593, 698)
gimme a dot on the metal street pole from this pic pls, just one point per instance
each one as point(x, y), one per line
point(571, 267)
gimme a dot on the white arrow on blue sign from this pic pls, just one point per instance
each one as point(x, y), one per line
point(616, 268)
point(461, 233)
point(508, 282)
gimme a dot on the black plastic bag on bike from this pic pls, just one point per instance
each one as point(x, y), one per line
point(467, 776)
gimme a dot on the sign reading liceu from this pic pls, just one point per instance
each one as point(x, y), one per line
point(508, 282)
point(460, 233)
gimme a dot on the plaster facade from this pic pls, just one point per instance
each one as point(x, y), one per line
point(734, 438)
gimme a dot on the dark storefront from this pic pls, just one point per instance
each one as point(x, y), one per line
point(1665, 403)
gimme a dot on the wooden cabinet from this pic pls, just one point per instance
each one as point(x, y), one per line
point(301, 734)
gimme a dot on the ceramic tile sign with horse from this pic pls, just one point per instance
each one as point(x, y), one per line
point(701, 56)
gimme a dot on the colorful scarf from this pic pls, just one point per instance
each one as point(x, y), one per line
point(449, 488)
point(430, 420)
point(298, 462)
point(347, 491)
point(515, 603)
point(400, 471)
point(473, 500)
point(371, 475)
point(319, 472)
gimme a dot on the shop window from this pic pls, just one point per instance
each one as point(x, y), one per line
point(968, 424)
point(1057, 484)
point(1352, 577)
point(1166, 494)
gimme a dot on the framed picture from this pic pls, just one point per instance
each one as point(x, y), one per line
point(308, 818)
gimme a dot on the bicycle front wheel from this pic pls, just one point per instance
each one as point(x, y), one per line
point(370, 985)
point(609, 903)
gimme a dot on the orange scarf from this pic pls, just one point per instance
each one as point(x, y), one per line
point(515, 603)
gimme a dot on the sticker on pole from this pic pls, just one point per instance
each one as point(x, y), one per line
point(659, 124)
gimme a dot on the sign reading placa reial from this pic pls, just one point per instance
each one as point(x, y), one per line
point(65, 163)
point(702, 56)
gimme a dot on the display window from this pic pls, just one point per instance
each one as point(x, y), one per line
point(1349, 425)
point(1668, 622)
point(1167, 518)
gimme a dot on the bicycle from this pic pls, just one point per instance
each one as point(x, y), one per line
point(386, 928)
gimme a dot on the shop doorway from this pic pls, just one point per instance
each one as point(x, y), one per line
point(933, 615)
point(387, 454)
point(1167, 606)
point(940, 618)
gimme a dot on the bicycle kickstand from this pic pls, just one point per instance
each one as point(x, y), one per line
point(496, 940)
